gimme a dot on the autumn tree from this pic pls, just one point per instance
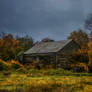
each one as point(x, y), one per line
point(9, 47)
point(80, 37)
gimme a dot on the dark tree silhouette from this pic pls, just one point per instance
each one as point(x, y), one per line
point(47, 40)
point(25, 42)
point(88, 22)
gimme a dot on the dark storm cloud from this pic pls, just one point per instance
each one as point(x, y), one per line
point(42, 18)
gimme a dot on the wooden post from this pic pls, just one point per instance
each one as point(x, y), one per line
point(56, 60)
point(37, 65)
point(37, 59)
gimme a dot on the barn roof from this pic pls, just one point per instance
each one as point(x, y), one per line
point(48, 47)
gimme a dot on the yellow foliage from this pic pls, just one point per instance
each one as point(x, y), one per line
point(10, 64)
point(79, 64)
point(15, 64)
point(82, 51)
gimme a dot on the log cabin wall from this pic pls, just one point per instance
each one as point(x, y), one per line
point(63, 55)
point(27, 59)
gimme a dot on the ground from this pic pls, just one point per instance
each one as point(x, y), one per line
point(45, 81)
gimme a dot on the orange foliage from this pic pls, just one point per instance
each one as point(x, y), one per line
point(9, 47)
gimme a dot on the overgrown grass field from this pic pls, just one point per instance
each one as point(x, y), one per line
point(45, 81)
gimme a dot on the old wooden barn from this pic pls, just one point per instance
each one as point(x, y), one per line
point(51, 53)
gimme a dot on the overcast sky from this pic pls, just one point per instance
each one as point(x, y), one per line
point(43, 18)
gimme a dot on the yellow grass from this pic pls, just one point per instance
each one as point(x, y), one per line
point(53, 83)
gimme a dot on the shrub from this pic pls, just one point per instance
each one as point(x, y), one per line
point(51, 66)
point(90, 68)
point(58, 72)
point(4, 65)
point(21, 70)
point(80, 67)
point(6, 73)
point(9, 65)
point(15, 64)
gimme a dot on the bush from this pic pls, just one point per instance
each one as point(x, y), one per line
point(21, 70)
point(10, 65)
point(4, 65)
point(80, 67)
point(6, 73)
point(15, 64)
point(90, 68)
point(58, 72)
